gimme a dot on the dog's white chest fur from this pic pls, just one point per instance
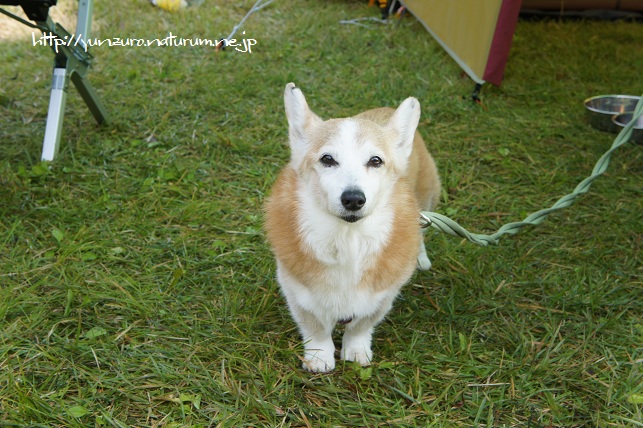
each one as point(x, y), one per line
point(346, 252)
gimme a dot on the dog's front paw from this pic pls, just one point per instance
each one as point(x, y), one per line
point(360, 354)
point(319, 360)
point(423, 260)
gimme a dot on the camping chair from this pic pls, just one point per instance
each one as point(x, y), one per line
point(70, 63)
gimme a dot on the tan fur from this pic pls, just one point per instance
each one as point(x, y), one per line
point(281, 230)
point(397, 259)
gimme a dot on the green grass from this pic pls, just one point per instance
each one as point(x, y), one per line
point(136, 288)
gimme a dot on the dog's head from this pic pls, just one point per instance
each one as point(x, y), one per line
point(349, 166)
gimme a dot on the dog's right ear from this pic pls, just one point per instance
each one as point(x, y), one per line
point(300, 119)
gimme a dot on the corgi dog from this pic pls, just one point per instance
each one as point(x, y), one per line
point(343, 222)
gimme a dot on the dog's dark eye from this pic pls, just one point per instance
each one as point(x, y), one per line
point(327, 160)
point(375, 162)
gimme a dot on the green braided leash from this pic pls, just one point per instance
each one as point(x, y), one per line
point(445, 224)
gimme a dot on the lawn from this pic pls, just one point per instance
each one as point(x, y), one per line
point(137, 289)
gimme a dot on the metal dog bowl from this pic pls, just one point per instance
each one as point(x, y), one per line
point(620, 120)
point(600, 110)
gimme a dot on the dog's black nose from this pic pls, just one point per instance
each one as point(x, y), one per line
point(353, 199)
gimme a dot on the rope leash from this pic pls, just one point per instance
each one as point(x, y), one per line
point(446, 225)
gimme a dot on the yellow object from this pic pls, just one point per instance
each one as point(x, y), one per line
point(170, 5)
point(381, 3)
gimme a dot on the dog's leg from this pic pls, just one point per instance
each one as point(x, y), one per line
point(319, 349)
point(423, 260)
point(356, 343)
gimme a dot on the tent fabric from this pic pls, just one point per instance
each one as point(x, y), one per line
point(477, 34)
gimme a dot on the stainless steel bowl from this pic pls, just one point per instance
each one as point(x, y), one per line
point(620, 120)
point(602, 108)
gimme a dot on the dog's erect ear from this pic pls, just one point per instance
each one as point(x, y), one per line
point(300, 119)
point(404, 122)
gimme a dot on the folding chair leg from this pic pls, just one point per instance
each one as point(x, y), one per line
point(55, 115)
point(91, 98)
point(70, 64)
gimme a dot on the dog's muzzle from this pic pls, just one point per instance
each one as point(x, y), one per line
point(352, 200)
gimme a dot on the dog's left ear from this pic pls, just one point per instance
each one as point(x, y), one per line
point(404, 122)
